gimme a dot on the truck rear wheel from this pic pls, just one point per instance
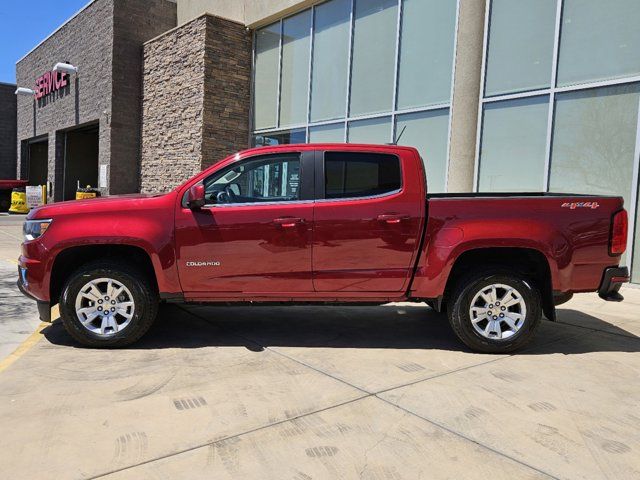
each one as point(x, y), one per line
point(106, 304)
point(495, 311)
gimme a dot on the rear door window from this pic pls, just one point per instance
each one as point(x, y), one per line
point(353, 175)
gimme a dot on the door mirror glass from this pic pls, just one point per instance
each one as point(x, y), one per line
point(195, 197)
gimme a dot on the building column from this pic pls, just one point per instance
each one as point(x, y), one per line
point(196, 99)
point(57, 153)
point(466, 95)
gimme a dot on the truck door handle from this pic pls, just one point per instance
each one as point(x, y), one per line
point(392, 218)
point(288, 222)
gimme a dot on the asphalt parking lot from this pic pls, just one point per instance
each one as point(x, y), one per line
point(319, 392)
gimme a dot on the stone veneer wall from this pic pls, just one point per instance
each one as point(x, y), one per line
point(196, 98)
point(7, 131)
point(227, 86)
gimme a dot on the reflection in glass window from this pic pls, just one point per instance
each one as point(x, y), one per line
point(428, 132)
point(279, 138)
point(295, 69)
point(426, 52)
point(274, 178)
point(349, 175)
point(594, 139)
point(520, 45)
point(374, 47)
point(373, 130)
point(599, 40)
point(513, 148)
point(267, 45)
point(330, 60)
point(333, 133)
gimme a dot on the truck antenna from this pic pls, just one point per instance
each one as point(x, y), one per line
point(397, 139)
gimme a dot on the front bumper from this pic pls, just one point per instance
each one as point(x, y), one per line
point(612, 280)
point(44, 307)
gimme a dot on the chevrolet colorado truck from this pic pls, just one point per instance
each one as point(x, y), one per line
point(324, 223)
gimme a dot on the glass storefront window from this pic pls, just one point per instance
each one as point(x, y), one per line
point(330, 60)
point(333, 133)
point(512, 152)
point(355, 47)
point(428, 132)
point(599, 40)
point(374, 48)
point(267, 46)
point(594, 138)
point(295, 69)
point(426, 52)
point(298, 135)
point(373, 130)
point(520, 48)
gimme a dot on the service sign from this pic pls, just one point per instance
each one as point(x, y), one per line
point(50, 82)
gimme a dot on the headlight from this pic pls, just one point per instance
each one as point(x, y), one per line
point(33, 229)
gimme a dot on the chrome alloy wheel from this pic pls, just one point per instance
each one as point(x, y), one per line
point(104, 306)
point(497, 311)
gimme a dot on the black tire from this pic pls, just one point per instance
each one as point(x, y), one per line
point(459, 305)
point(145, 298)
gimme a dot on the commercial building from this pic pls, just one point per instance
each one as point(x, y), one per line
point(7, 131)
point(85, 127)
point(498, 95)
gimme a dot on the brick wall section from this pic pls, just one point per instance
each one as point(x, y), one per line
point(196, 99)
point(8, 153)
point(86, 41)
point(135, 22)
point(227, 89)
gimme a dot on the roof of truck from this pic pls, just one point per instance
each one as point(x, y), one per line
point(329, 146)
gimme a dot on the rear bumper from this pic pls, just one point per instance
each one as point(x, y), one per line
point(612, 280)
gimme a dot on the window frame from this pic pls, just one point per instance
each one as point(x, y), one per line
point(307, 173)
point(320, 187)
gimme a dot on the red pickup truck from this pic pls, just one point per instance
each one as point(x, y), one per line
point(324, 223)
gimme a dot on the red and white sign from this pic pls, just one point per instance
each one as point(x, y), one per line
point(50, 82)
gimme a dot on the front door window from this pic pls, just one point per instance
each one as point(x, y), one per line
point(269, 179)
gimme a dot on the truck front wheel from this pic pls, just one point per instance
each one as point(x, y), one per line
point(106, 304)
point(495, 311)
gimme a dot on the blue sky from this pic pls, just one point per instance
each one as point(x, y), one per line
point(25, 24)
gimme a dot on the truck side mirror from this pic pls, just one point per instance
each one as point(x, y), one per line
point(195, 197)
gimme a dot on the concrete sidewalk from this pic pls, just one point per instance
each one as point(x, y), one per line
point(18, 315)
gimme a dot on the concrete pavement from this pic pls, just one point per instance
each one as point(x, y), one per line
point(18, 317)
point(327, 392)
